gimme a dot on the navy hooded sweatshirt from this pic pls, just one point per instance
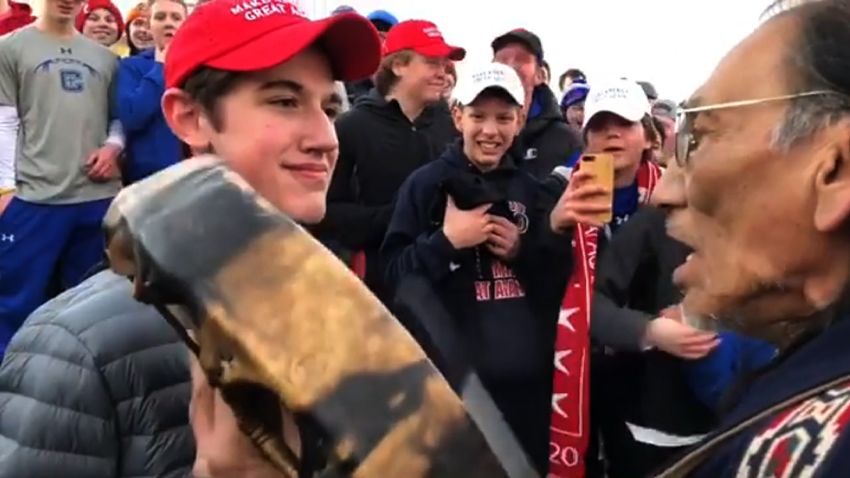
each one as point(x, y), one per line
point(810, 438)
point(546, 141)
point(504, 313)
point(151, 146)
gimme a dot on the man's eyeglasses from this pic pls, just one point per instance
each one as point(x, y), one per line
point(685, 141)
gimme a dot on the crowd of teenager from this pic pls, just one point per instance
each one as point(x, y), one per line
point(705, 312)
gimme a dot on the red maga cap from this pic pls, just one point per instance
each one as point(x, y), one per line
point(423, 37)
point(251, 35)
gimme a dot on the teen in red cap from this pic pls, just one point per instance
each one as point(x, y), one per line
point(399, 126)
point(100, 20)
point(255, 85)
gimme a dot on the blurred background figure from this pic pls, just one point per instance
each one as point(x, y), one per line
point(451, 81)
point(383, 21)
point(664, 113)
point(572, 105)
point(649, 90)
point(138, 29)
point(567, 78)
point(14, 15)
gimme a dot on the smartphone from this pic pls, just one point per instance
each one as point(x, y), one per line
point(602, 167)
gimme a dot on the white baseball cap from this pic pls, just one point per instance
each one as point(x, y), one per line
point(623, 98)
point(490, 75)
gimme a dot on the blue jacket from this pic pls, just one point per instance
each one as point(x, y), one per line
point(151, 146)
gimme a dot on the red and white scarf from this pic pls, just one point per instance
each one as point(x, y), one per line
point(570, 424)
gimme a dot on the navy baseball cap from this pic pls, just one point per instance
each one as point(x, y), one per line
point(526, 38)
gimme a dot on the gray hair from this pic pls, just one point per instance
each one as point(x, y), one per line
point(807, 116)
point(818, 60)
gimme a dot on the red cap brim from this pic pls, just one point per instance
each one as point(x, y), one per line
point(351, 41)
point(442, 50)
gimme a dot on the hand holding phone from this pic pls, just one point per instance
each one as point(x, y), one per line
point(588, 198)
point(601, 166)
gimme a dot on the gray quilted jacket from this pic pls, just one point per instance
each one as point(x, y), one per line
point(95, 385)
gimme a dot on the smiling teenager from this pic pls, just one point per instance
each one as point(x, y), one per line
point(255, 86)
point(402, 124)
point(100, 21)
point(138, 29)
point(469, 224)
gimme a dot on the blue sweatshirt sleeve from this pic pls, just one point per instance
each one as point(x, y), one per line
point(710, 377)
point(138, 94)
point(410, 245)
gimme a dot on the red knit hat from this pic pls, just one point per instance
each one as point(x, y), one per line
point(92, 5)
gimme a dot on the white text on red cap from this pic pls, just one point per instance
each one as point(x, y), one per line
point(432, 32)
point(255, 9)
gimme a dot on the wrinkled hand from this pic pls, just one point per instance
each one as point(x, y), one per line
point(678, 339)
point(503, 241)
point(102, 164)
point(223, 451)
point(466, 229)
point(582, 201)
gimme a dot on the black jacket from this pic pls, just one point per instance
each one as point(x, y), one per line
point(505, 313)
point(546, 141)
point(95, 385)
point(379, 149)
point(633, 284)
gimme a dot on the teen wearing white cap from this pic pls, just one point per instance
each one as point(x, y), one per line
point(617, 121)
point(484, 255)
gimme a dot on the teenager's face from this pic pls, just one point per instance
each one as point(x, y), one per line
point(575, 115)
point(62, 10)
point(423, 77)
point(489, 126)
point(276, 131)
point(140, 32)
point(101, 26)
point(626, 140)
point(166, 18)
point(518, 57)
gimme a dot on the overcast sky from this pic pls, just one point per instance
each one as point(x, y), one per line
point(673, 43)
